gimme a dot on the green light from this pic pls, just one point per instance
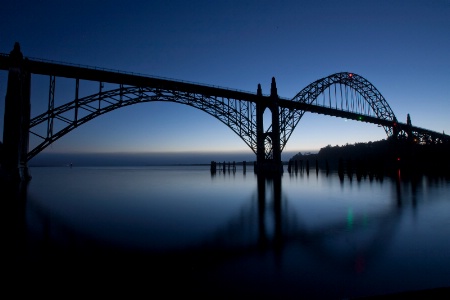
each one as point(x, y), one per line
point(349, 218)
point(360, 118)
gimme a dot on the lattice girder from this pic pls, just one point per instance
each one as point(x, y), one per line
point(238, 115)
point(289, 118)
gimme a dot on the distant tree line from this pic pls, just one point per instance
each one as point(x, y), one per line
point(382, 156)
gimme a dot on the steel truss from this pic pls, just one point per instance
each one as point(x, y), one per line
point(421, 136)
point(239, 115)
point(344, 92)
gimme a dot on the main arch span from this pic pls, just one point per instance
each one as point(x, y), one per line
point(344, 94)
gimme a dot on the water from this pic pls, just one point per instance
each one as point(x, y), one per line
point(302, 236)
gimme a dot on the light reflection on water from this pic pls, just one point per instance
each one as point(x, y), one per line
point(312, 234)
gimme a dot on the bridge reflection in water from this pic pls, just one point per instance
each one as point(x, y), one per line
point(290, 239)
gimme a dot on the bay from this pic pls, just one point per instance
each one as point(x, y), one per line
point(302, 235)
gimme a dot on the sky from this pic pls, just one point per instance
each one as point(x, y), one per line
point(401, 47)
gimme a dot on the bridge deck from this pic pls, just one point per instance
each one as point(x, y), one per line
point(119, 77)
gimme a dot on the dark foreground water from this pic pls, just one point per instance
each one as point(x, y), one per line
point(180, 230)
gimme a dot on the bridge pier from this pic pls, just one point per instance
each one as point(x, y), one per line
point(268, 160)
point(17, 118)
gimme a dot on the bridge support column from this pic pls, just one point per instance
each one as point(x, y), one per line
point(17, 118)
point(268, 162)
point(276, 147)
point(409, 129)
point(260, 149)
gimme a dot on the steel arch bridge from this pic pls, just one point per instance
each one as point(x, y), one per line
point(343, 94)
point(238, 115)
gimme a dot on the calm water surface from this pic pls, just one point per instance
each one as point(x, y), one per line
point(302, 236)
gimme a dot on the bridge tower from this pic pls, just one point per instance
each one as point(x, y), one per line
point(17, 118)
point(268, 158)
point(409, 128)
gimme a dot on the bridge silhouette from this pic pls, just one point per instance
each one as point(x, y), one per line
point(345, 95)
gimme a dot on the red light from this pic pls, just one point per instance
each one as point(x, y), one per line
point(350, 75)
point(398, 158)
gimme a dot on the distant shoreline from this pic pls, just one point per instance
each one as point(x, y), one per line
point(381, 157)
point(89, 166)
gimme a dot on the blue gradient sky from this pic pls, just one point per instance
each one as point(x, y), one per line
point(401, 47)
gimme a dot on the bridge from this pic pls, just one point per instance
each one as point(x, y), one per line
point(345, 94)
